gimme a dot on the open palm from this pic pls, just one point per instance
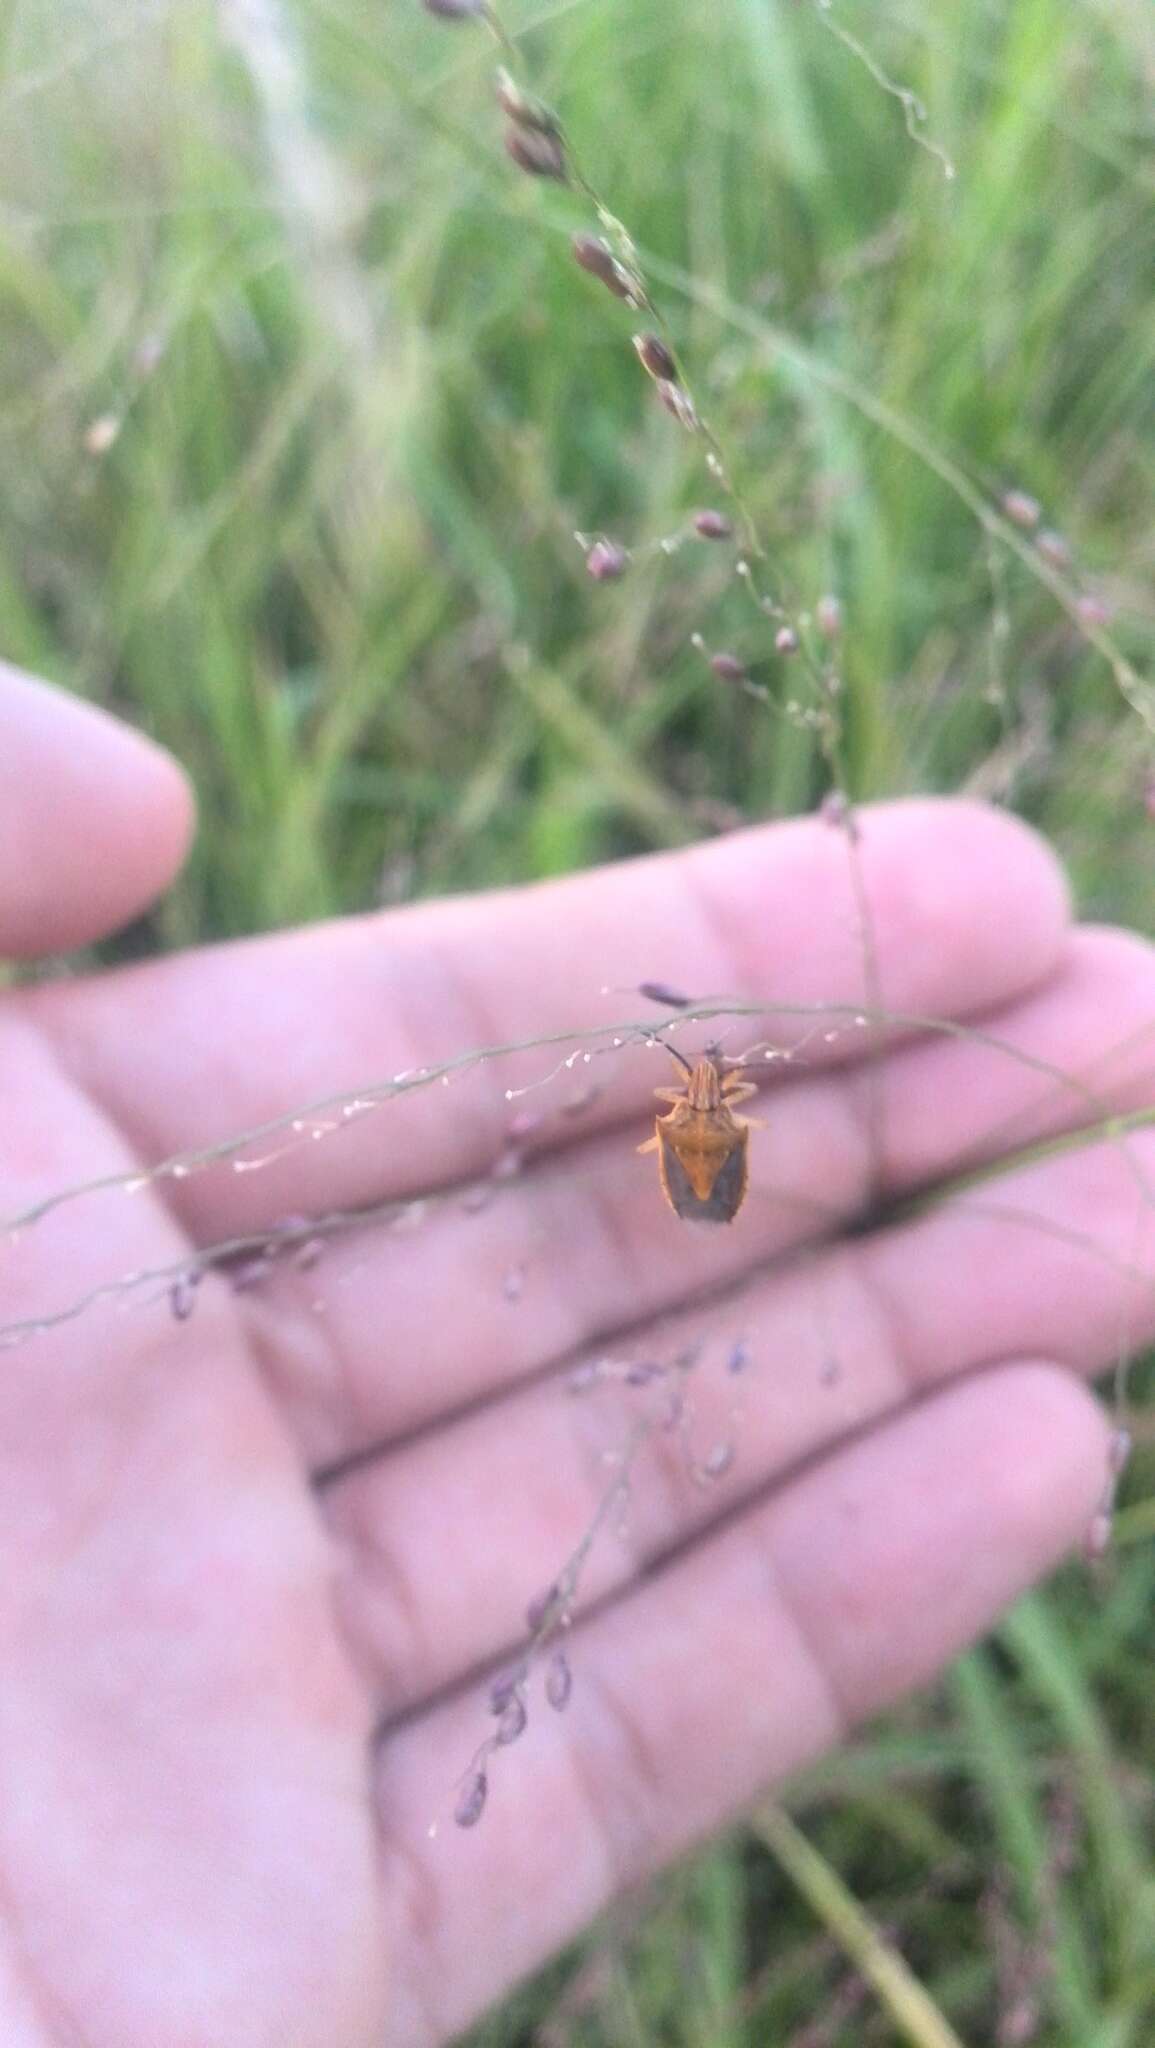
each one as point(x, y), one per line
point(254, 1562)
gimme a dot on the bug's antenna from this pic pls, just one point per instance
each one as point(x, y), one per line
point(679, 1056)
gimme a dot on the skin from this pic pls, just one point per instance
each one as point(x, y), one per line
point(234, 1547)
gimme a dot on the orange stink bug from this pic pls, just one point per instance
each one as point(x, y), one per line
point(702, 1146)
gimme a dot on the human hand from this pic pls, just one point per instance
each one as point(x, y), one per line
point(255, 1562)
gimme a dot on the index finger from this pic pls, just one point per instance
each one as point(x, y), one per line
point(967, 909)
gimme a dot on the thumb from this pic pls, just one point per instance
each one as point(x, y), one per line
point(94, 819)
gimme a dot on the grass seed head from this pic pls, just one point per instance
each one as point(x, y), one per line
point(1054, 549)
point(522, 109)
point(606, 561)
point(1024, 510)
point(512, 1722)
point(656, 358)
point(1093, 610)
point(536, 151)
point(598, 258)
point(558, 1681)
point(471, 1804)
point(661, 992)
point(678, 403)
point(728, 667)
point(828, 617)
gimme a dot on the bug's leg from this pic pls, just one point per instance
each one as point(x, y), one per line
point(670, 1094)
point(651, 1145)
point(735, 1090)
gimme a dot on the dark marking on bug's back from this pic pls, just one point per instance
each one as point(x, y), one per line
point(727, 1187)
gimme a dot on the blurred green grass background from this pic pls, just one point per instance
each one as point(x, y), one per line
point(302, 401)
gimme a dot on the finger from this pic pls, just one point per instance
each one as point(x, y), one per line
point(173, 1678)
point(580, 1248)
point(1053, 1267)
point(94, 819)
point(50, 1132)
point(1086, 1047)
point(967, 908)
point(738, 1663)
